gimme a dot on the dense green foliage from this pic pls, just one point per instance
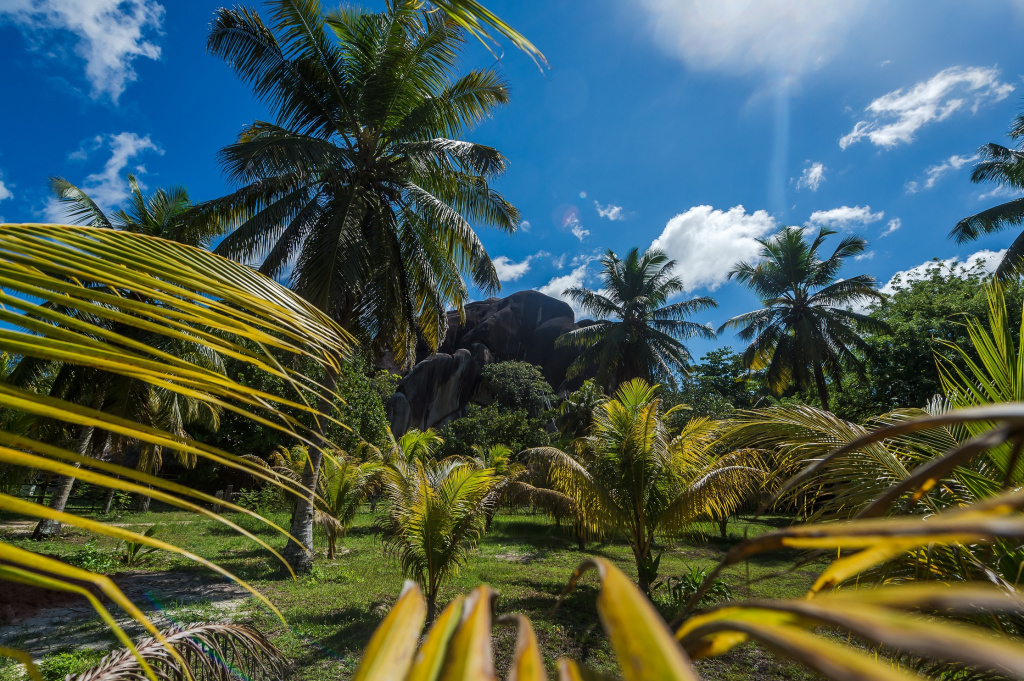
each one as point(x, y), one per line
point(517, 385)
point(900, 368)
point(715, 386)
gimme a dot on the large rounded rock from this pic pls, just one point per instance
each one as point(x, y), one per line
point(524, 326)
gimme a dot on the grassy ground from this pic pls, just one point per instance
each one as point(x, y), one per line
point(332, 612)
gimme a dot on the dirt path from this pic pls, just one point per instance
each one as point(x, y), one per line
point(42, 622)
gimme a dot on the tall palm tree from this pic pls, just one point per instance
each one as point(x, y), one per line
point(636, 479)
point(806, 329)
point(437, 512)
point(361, 190)
point(1004, 166)
point(646, 340)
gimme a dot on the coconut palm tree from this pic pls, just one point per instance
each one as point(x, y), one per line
point(806, 330)
point(635, 479)
point(646, 340)
point(344, 486)
point(361, 190)
point(165, 213)
point(437, 512)
point(1005, 167)
point(576, 411)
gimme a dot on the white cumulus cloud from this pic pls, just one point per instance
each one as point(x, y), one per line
point(984, 262)
point(111, 34)
point(611, 212)
point(933, 174)
point(845, 217)
point(791, 36)
point(812, 176)
point(706, 243)
point(513, 271)
point(895, 117)
point(893, 225)
point(556, 287)
point(108, 188)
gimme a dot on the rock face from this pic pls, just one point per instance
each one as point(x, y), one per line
point(523, 326)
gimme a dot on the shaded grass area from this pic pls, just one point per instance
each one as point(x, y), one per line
point(332, 612)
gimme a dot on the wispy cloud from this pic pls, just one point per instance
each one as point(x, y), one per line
point(576, 227)
point(845, 217)
point(112, 34)
point(812, 176)
point(706, 243)
point(1001, 192)
point(611, 212)
point(108, 188)
point(894, 118)
point(933, 174)
point(524, 226)
point(893, 225)
point(5, 192)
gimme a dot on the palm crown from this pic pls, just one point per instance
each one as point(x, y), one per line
point(645, 342)
point(361, 191)
point(1005, 166)
point(806, 329)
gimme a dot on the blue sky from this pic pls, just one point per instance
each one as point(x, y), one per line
point(696, 125)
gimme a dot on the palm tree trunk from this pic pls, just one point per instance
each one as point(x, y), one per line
point(819, 379)
point(723, 523)
point(299, 554)
point(48, 527)
point(108, 501)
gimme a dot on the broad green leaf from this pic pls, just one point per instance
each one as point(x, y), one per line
point(469, 651)
point(643, 644)
point(390, 651)
point(432, 653)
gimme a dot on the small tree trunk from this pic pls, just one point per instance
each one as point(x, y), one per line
point(108, 501)
point(51, 528)
point(300, 554)
point(48, 527)
point(142, 504)
point(819, 379)
point(722, 526)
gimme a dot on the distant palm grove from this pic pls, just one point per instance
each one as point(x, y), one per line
point(188, 383)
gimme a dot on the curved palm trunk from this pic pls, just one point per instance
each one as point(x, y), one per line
point(300, 554)
point(51, 528)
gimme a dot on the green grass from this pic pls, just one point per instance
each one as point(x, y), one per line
point(332, 612)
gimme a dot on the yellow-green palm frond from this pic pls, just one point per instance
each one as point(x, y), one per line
point(110, 303)
point(419, 444)
point(436, 515)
